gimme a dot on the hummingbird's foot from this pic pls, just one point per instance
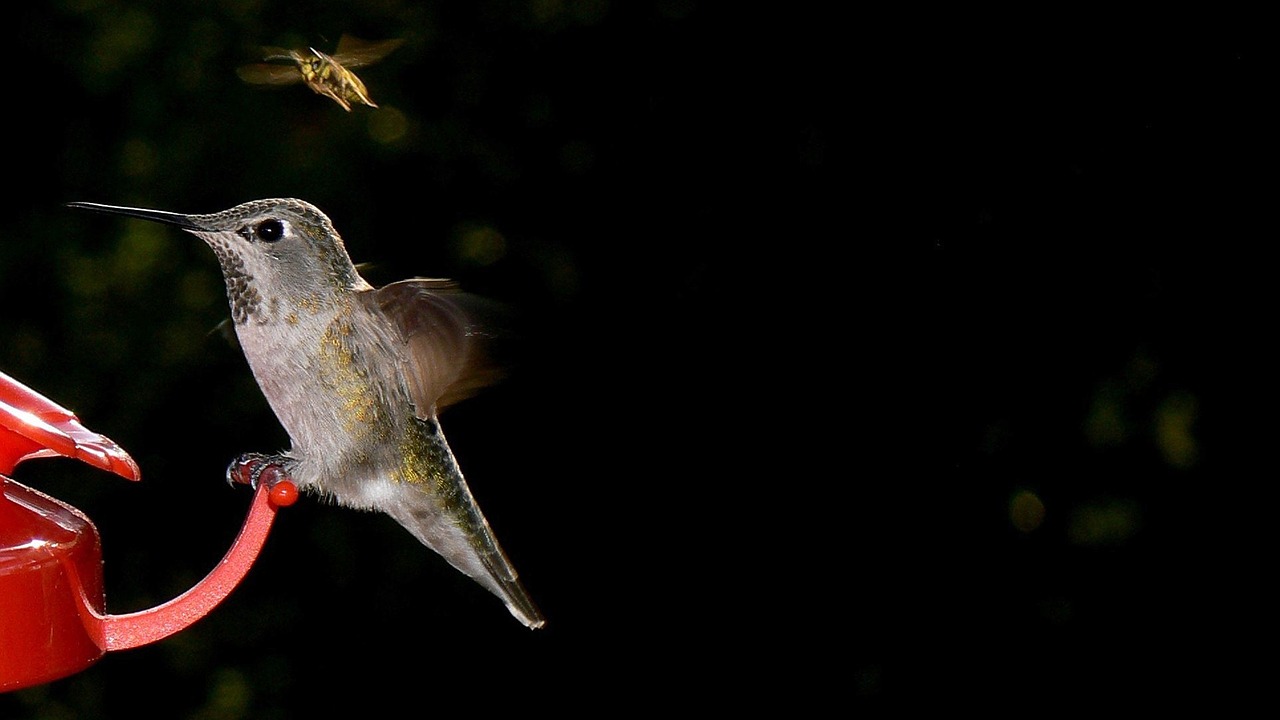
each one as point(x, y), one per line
point(254, 469)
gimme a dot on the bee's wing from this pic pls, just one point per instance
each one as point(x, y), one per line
point(270, 52)
point(269, 74)
point(354, 52)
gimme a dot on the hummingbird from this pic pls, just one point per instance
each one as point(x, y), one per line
point(356, 375)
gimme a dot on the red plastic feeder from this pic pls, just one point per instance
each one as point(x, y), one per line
point(53, 620)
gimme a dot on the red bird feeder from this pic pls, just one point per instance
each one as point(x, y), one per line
point(53, 619)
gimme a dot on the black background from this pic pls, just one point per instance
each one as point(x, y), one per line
point(808, 305)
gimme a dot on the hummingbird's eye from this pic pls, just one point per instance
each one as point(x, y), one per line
point(269, 230)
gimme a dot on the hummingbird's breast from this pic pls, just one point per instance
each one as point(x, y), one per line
point(332, 379)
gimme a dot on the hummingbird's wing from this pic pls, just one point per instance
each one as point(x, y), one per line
point(446, 356)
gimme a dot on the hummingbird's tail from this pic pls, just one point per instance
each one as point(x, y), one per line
point(440, 511)
point(469, 545)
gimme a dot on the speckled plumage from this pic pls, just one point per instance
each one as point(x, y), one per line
point(356, 375)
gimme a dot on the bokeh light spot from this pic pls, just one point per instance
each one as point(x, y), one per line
point(122, 39)
point(1026, 510)
point(138, 158)
point(1105, 424)
point(577, 157)
point(1101, 524)
point(388, 125)
point(230, 696)
point(140, 252)
point(1174, 419)
point(481, 245)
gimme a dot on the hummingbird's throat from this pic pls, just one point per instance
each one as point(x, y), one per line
point(242, 294)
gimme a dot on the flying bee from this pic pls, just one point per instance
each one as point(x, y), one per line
point(327, 75)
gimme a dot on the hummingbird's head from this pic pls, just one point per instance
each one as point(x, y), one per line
point(277, 255)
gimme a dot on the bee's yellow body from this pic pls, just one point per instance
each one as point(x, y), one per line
point(326, 75)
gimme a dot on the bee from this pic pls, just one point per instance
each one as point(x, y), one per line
point(327, 75)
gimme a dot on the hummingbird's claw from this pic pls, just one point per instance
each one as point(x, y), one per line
point(254, 469)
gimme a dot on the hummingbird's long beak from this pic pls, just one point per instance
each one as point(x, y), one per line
point(160, 216)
